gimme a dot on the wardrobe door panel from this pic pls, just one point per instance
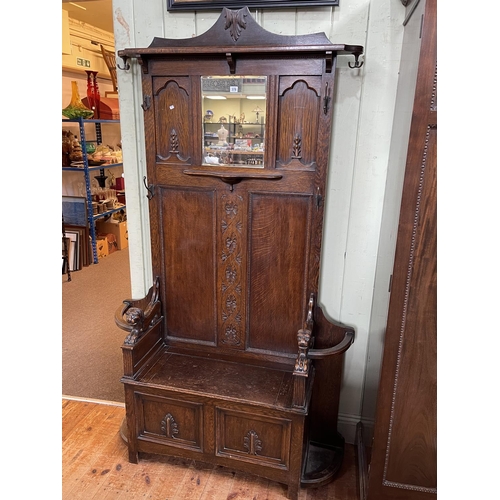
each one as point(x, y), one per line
point(404, 455)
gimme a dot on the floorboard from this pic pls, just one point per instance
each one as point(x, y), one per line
point(95, 467)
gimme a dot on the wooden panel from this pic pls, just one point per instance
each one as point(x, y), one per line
point(411, 457)
point(221, 379)
point(177, 423)
point(298, 128)
point(173, 131)
point(278, 249)
point(232, 307)
point(258, 439)
point(404, 455)
point(188, 218)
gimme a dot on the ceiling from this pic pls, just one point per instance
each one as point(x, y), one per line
point(98, 13)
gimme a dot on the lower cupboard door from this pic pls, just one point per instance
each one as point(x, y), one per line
point(258, 439)
point(170, 421)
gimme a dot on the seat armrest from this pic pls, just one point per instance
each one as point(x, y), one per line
point(138, 316)
point(339, 348)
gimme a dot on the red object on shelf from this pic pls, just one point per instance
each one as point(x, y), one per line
point(108, 108)
point(120, 183)
point(93, 96)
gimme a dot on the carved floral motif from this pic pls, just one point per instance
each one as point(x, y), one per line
point(297, 147)
point(252, 443)
point(231, 274)
point(169, 426)
point(174, 142)
point(231, 258)
point(235, 22)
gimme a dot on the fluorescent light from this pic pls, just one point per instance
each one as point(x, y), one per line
point(79, 6)
point(256, 96)
point(217, 97)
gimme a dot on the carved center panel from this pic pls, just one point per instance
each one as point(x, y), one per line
point(231, 271)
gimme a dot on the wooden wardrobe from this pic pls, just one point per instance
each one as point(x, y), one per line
point(404, 455)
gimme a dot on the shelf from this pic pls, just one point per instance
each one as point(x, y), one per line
point(86, 170)
point(234, 151)
point(232, 123)
point(80, 120)
point(109, 212)
point(90, 169)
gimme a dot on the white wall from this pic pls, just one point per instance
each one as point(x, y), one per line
point(363, 119)
point(390, 214)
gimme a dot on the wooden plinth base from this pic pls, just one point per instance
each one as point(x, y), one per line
point(320, 466)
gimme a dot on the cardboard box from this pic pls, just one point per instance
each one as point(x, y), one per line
point(119, 229)
point(111, 239)
point(102, 247)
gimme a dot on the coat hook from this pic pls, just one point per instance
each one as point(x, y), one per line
point(126, 66)
point(149, 188)
point(356, 64)
point(147, 103)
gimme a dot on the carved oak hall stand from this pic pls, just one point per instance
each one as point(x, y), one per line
point(230, 359)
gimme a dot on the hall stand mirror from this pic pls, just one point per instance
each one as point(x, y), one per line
point(229, 359)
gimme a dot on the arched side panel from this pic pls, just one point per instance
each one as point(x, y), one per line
point(172, 104)
point(299, 105)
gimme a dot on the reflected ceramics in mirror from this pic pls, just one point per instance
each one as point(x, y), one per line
point(234, 120)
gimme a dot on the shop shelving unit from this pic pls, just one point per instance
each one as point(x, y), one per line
point(87, 170)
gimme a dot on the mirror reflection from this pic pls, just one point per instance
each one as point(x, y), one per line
point(234, 119)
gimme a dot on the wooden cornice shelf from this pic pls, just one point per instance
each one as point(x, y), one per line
point(236, 32)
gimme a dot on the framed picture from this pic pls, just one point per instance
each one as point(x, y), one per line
point(73, 251)
point(84, 244)
point(74, 210)
point(178, 5)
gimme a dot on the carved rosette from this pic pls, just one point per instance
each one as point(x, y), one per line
point(231, 270)
point(252, 443)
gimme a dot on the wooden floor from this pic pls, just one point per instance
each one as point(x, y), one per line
point(95, 466)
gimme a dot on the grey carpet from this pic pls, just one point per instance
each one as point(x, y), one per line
point(91, 342)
